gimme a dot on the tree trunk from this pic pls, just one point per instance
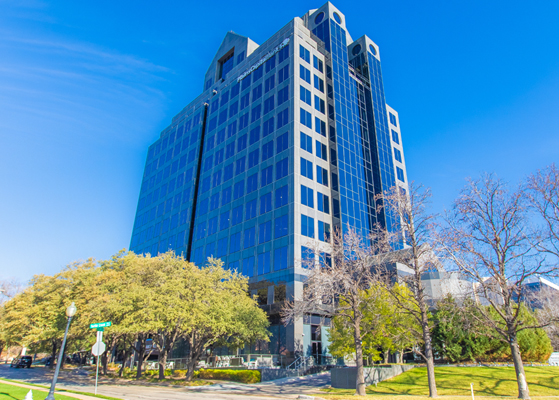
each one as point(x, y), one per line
point(140, 357)
point(360, 383)
point(162, 363)
point(125, 357)
point(385, 356)
point(429, 358)
point(53, 356)
point(104, 362)
point(190, 372)
point(523, 392)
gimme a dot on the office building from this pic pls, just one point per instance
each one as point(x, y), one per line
point(287, 141)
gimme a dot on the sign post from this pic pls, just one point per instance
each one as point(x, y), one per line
point(99, 347)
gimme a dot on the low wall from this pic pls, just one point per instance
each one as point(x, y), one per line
point(271, 374)
point(346, 378)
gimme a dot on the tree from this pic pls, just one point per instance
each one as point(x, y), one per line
point(489, 239)
point(416, 226)
point(220, 312)
point(339, 276)
point(387, 328)
point(542, 190)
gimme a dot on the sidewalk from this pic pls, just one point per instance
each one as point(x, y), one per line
point(38, 389)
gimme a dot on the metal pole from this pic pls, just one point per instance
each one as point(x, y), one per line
point(53, 384)
point(96, 375)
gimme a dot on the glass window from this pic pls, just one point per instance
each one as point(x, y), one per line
point(230, 150)
point(269, 104)
point(266, 177)
point(283, 117)
point(318, 64)
point(212, 226)
point(224, 220)
point(265, 203)
point(264, 263)
point(267, 150)
point(236, 87)
point(253, 158)
point(254, 135)
point(281, 226)
point(323, 231)
point(248, 266)
point(252, 183)
point(305, 95)
point(232, 129)
point(306, 142)
point(257, 91)
point(281, 196)
point(319, 104)
point(270, 83)
point(205, 184)
point(318, 83)
point(256, 113)
point(250, 209)
point(280, 262)
point(321, 150)
point(283, 54)
point(219, 157)
point(307, 226)
point(237, 215)
point(245, 100)
point(282, 143)
point(226, 196)
point(242, 143)
point(241, 164)
point(282, 168)
point(243, 121)
point(307, 196)
point(393, 119)
point(321, 175)
point(397, 155)
point(214, 201)
point(235, 244)
point(239, 190)
point(265, 232)
point(323, 203)
point(257, 74)
point(245, 83)
point(400, 174)
point(395, 137)
point(304, 54)
point(320, 126)
point(270, 64)
point(222, 247)
point(283, 74)
point(283, 95)
point(240, 58)
point(306, 168)
point(249, 237)
point(305, 74)
point(268, 126)
point(306, 118)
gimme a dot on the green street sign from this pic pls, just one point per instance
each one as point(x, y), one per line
point(100, 325)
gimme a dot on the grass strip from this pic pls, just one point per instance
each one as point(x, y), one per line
point(100, 396)
point(488, 382)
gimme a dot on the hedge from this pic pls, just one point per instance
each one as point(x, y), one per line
point(243, 375)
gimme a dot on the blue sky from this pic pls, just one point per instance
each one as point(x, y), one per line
point(85, 87)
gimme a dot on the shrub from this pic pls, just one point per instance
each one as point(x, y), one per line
point(243, 375)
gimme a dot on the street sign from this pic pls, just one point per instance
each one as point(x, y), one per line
point(98, 349)
point(100, 325)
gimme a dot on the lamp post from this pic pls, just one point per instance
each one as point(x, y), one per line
point(70, 312)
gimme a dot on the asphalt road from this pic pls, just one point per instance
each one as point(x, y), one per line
point(289, 388)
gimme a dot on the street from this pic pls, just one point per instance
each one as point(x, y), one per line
point(289, 388)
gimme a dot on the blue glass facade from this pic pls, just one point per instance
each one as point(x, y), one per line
point(288, 140)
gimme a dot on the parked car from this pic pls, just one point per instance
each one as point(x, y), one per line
point(23, 361)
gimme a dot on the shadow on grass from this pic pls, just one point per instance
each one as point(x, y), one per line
point(8, 395)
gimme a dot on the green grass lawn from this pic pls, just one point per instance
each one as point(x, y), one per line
point(100, 396)
point(11, 392)
point(455, 381)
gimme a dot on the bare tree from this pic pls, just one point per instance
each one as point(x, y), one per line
point(338, 274)
point(542, 189)
point(489, 239)
point(416, 227)
point(9, 288)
